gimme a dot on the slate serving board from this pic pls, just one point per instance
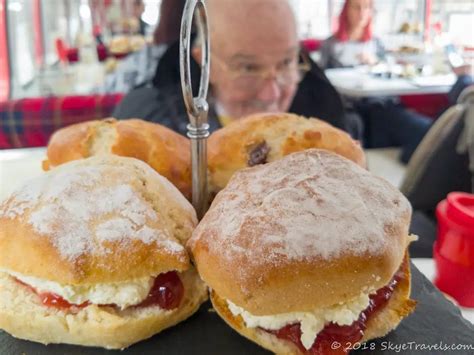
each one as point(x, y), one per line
point(435, 322)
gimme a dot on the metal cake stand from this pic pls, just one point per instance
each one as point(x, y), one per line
point(197, 107)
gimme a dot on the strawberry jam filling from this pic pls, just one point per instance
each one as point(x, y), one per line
point(167, 292)
point(345, 335)
point(53, 300)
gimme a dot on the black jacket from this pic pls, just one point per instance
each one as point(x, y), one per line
point(162, 100)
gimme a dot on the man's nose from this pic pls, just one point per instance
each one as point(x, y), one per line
point(269, 90)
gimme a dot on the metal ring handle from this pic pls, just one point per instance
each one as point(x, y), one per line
point(197, 108)
point(196, 105)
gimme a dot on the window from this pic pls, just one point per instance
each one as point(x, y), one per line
point(4, 65)
point(313, 18)
point(55, 26)
point(318, 18)
point(455, 18)
point(151, 15)
point(457, 25)
point(21, 44)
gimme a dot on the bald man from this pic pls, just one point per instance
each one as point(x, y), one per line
point(256, 66)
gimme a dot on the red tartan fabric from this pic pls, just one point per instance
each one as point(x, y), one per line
point(30, 122)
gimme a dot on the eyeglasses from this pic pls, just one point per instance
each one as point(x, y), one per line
point(252, 75)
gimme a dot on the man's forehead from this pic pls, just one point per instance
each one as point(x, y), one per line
point(251, 22)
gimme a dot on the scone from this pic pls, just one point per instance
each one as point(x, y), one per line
point(92, 253)
point(263, 138)
point(305, 252)
point(167, 152)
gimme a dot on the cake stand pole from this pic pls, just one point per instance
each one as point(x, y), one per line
point(197, 107)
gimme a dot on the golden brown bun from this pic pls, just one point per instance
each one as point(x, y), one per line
point(304, 232)
point(101, 219)
point(164, 150)
point(283, 133)
point(382, 322)
point(23, 316)
point(399, 306)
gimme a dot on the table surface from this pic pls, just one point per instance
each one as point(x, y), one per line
point(358, 82)
point(19, 165)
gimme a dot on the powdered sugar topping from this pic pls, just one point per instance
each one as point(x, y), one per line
point(311, 204)
point(73, 207)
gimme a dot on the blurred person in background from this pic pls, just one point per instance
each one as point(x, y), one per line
point(394, 123)
point(386, 122)
point(137, 12)
point(139, 68)
point(465, 74)
point(254, 68)
point(353, 43)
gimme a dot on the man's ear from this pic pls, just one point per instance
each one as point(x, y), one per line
point(196, 52)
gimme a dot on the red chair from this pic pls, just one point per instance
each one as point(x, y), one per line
point(73, 55)
point(311, 44)
point(429, 105)
point(102, 53)
point(65, 54)
point(61, 50)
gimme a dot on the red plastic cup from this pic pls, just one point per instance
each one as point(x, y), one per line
point(454, 249)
